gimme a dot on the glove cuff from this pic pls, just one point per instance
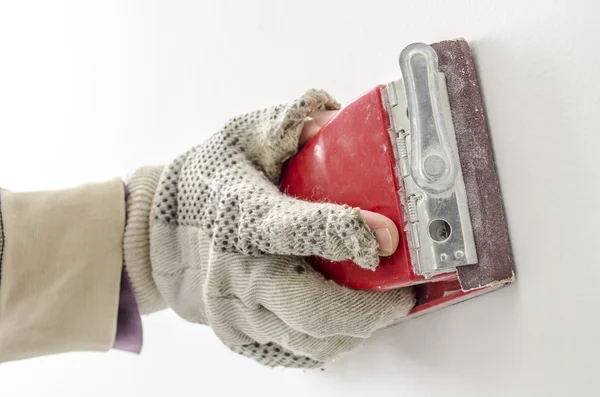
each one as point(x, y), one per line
point(141, 187)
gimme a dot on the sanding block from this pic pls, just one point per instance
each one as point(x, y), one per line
point(418, 151)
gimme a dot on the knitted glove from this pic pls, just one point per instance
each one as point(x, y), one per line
point(211, 236)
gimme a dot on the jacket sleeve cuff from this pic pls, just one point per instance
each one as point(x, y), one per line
point(62, 260)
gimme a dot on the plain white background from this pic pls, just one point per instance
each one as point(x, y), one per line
point(91, 89)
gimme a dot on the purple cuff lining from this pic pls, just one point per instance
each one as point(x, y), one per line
point(129, 322)
point(130, 333)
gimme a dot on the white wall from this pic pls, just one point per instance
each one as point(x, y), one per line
point(90, 90)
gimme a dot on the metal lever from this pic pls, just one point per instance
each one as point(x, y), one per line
point(433, 164)
point(434, 198)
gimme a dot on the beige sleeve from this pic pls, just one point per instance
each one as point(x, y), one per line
point(61, 270)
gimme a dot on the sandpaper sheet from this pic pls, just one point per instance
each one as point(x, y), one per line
point(496, 265)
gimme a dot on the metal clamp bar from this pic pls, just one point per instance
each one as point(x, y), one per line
point(434, 198)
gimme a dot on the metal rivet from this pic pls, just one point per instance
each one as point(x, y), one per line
point(434, 165)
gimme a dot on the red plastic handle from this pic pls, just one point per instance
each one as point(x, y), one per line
point(351, 161)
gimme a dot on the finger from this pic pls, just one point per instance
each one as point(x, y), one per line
point(230, 318)
point(314, 123)
point(273, 223)
point(254, 218)
point(240, 302)
point(294, 306)
point(309, 303)
point(276, 133)
point(386, 232)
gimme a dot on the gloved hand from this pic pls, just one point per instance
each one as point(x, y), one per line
point(212, 236)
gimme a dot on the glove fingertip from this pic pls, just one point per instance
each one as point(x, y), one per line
point(368, 261)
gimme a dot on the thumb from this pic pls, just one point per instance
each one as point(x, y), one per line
point(386, 232)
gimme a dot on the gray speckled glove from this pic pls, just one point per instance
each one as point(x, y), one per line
point(212, 237)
